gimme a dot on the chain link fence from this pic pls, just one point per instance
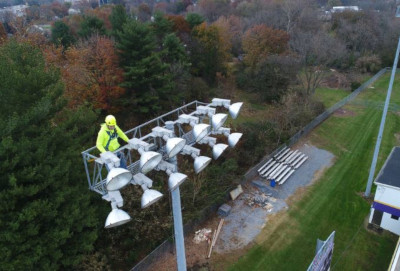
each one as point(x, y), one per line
point(168, 246)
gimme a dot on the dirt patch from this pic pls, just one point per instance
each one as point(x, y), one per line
point(335, 80)
point(397, 136)
point(344, 113)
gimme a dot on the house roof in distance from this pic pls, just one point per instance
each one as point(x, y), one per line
point(390, 172)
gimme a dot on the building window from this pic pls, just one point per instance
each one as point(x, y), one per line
point(395, 217)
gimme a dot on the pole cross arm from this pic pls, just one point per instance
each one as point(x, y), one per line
point(189, 150)
point(110, 159)
point(167, 167)
point(205, 110)
point(192, 120)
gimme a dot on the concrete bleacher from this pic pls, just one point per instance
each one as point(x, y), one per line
point(282, 165)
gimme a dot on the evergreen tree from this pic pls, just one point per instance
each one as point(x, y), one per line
point(61, 34)
point(174, 54)
point(146, 78)
point(194, 19)
point(118, 18)
point(91, 25)
point(161, 25)
point(47, 221)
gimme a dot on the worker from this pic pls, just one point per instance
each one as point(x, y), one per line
point(107, 139)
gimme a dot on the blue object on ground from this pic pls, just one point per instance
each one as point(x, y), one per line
point(272, 183)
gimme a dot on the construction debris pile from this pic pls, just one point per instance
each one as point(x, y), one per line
point(259, 199)
point(202, 235)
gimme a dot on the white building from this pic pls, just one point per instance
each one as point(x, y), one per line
point(385, 210)
point(18, 10)
point(344, 8)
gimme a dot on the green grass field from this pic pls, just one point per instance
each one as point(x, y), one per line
point(330, 96)
point(335, 203)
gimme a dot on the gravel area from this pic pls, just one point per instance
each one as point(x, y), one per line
point(245, 222)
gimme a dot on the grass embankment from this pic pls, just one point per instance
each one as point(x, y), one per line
point(335, 203)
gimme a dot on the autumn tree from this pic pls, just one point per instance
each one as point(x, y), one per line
point(209, 53)
point(60, 10)
point(213, 9)
point(316, 52)
point(144, 12)
point(260, 41)
point(3, 34)
point(91, 73)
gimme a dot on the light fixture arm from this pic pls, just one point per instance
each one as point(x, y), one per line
point(142, 180)
point(162, 132)
point(167, 167)
point(110, 159)
point(188, 119)
point(221, 102)
point(115, 198)
point(222, 131)
point(205, 110)
point(211, 141)
point(139, 145)
point(189, 150)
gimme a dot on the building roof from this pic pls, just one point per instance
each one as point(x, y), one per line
point(390, 172)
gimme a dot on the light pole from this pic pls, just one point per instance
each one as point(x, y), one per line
point(157, 155)
point(383, 120)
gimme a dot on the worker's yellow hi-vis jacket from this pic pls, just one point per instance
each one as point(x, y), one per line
point(107, 140)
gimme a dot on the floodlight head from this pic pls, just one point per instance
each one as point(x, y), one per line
point(218, 120)
point(218, 149)
point(200, 131)
point(200, 163)
point(149, 197)
point(116, 217)
point(234, 110)
point(117, 178)
point(233, 139)
point(175, 179)
point(149, 160)
point(174, 146)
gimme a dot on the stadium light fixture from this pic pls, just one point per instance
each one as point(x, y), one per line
point(149, 196)
point(233, 138)
point(218, 120)
point(117, 178)
point(217, 149)
point(200, 162)
point(175, 178)
point(174, 144)
point(148, 159)
point(117, 216)
point(200, 131)
point(234, 109)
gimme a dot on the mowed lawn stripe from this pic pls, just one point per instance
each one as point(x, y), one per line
point(334, 202)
